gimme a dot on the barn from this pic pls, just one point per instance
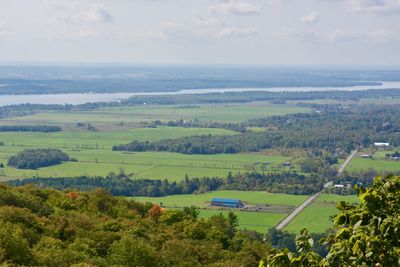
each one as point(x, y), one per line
point(226, 202)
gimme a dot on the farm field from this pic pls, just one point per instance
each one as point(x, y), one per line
point(317, 217)
point(256, 221)
point(153, 165)
point(113, 116)
point(259, 221)
point(378, 162)
point(121, 125)
point(101, 139)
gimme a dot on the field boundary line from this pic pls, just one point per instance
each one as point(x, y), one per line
point(347, 162)
point(283, 223)
point(290, 217)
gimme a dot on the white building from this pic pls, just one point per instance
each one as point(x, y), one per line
point(378, 144)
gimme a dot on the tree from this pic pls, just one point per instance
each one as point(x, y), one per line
point(132, 252)
point(367, 234)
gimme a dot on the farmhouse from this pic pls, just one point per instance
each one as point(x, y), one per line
point(286, 164)
point(378, 144)
point(226, 202)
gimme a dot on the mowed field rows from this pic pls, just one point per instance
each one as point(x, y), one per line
point(95, 157)
point(317, 216)
point(259, 221)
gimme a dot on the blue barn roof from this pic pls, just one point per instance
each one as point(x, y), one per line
point(226, 200)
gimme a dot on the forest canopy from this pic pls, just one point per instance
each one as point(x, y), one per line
point(30, 128)
point(37, 158)
point(46, 227)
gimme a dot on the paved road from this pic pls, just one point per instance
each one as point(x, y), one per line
point(347, 161)
point(294, 213)
point(309, 200)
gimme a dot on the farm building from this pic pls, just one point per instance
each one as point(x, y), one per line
point(226, 202)
point(286, 164)
point(366, 156)
point(378, 144)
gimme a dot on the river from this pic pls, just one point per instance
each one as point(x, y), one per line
point(76, 99)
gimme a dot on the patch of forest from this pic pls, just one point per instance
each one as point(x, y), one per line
point(45, 227)
point(120, 185)
point(346, 129)
point(37, 158)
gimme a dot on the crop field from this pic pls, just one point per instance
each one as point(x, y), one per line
point(259, 221)
point(378, 162)
point(202, 200)
point(101, 139)
point(127, 115)
point(317, 217)
point(95, 157)
point(256, 221)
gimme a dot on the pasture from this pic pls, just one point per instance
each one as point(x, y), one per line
point(378, 162)
point(95, 157)
point(101, 139)
point(317, 216)
point(258, 221)
point(146, 113)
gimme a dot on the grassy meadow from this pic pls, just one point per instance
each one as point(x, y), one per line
point(378, 162)
point(317, 216)
point(83, 139)
point(93, 149)
point(154, 165)
point(258, 221)
point(136, 114)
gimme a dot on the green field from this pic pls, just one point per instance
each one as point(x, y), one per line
point(378, 162)
point(113, 116)
point(317, 216)
point(202, 200)
point(95, 157)
point(259, 221)
point(256, 221)
point(122, 125)
point(102, 139)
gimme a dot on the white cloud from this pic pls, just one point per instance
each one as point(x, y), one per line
point(298, 35)
point(236, 32)
point(339, 36)
point(97, 13)
point(6, 34)
point(311, 18)
point(382, 36)
point(375, 6)
point(150, 34)
point(204, 29)
point(236, 7)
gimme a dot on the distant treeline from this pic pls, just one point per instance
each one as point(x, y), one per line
point(37, 158)
point(238, 127)
point(346, 129)
point(228, 97)
point(274, 97)
point(119, 185)
point(30, 128)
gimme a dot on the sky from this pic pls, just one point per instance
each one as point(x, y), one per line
point(266, 32)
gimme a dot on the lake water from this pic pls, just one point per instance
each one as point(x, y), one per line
point(76, 99)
